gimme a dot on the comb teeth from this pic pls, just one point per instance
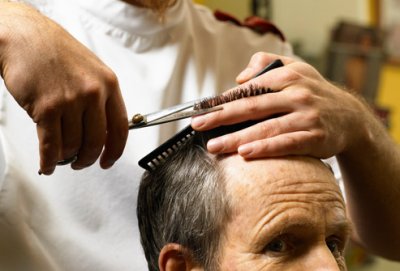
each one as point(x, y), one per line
point(158, 156)
point(239, 93)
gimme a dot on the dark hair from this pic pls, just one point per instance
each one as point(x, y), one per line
point(183, 201)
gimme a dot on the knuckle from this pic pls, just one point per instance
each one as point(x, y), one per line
point(46, 148)
point(288, 75)
point(229, 142)
point(265, 128)
point(293, 143)
point(319, 136)
point(110, 78)
point(300, 65)
point(92, 91)
point(303, 96)
point(46, 109)
point(258, 56)
point(313, 117)
point(94, 88)
point(251, 105)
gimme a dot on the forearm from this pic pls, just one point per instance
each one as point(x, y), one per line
point(6, 7)
point(371, 170)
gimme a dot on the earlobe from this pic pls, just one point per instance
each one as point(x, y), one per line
point(175, 257)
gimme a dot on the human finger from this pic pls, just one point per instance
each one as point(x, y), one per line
point(257, 62)
point(71, 133)
point(117, 131)
point(296, 143)
point(93, 136)
point(50, 144)
point(268, 128)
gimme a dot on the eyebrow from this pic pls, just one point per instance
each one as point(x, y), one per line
point(343, 226)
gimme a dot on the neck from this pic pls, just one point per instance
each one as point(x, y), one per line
point(158, 6)
point(137, 3)
point(150, 3)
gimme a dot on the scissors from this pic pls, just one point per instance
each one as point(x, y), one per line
point(173, 113)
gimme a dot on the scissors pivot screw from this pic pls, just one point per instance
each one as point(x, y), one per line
point(137, 118)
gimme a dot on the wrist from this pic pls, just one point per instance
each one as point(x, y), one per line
point(367, 132)
point(11, 13)
point(4, 32)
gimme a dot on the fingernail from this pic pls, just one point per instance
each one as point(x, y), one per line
point(198, 121)
point(76, 167)
point(46, 172)
point(245, 150)
point(215, 146)
point(245, 74)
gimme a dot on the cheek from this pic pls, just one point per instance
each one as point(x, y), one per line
point(254, 262)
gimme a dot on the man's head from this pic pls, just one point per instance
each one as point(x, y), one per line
point(287, 214)
point(204, 212)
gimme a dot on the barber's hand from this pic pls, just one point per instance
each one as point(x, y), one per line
point(311, 116)
point(73, 98)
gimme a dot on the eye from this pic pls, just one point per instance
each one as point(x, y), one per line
point(335, 245)
point(277, 245)
point(280, 244)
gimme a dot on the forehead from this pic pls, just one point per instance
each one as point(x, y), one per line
point(271, 181)
point(276, 174)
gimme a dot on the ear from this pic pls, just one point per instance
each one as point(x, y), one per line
point(175, 257)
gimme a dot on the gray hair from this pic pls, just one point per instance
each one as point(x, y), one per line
point(183, 201)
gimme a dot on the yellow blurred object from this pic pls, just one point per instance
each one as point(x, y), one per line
point(374, 12)
point(389, 96)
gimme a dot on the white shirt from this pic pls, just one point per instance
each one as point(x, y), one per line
point(86, 220)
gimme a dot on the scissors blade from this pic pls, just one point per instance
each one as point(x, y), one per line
point(168, 111)
point(176, 116)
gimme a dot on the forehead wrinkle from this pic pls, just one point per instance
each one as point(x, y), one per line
point(285, 180)
point(308, 190)
point(287, 190)
point(279, 221)
point(280, 210)
point(280, 217)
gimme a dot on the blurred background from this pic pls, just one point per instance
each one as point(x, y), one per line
point(354, 43)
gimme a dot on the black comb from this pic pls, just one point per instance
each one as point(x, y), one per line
point(158, 155)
